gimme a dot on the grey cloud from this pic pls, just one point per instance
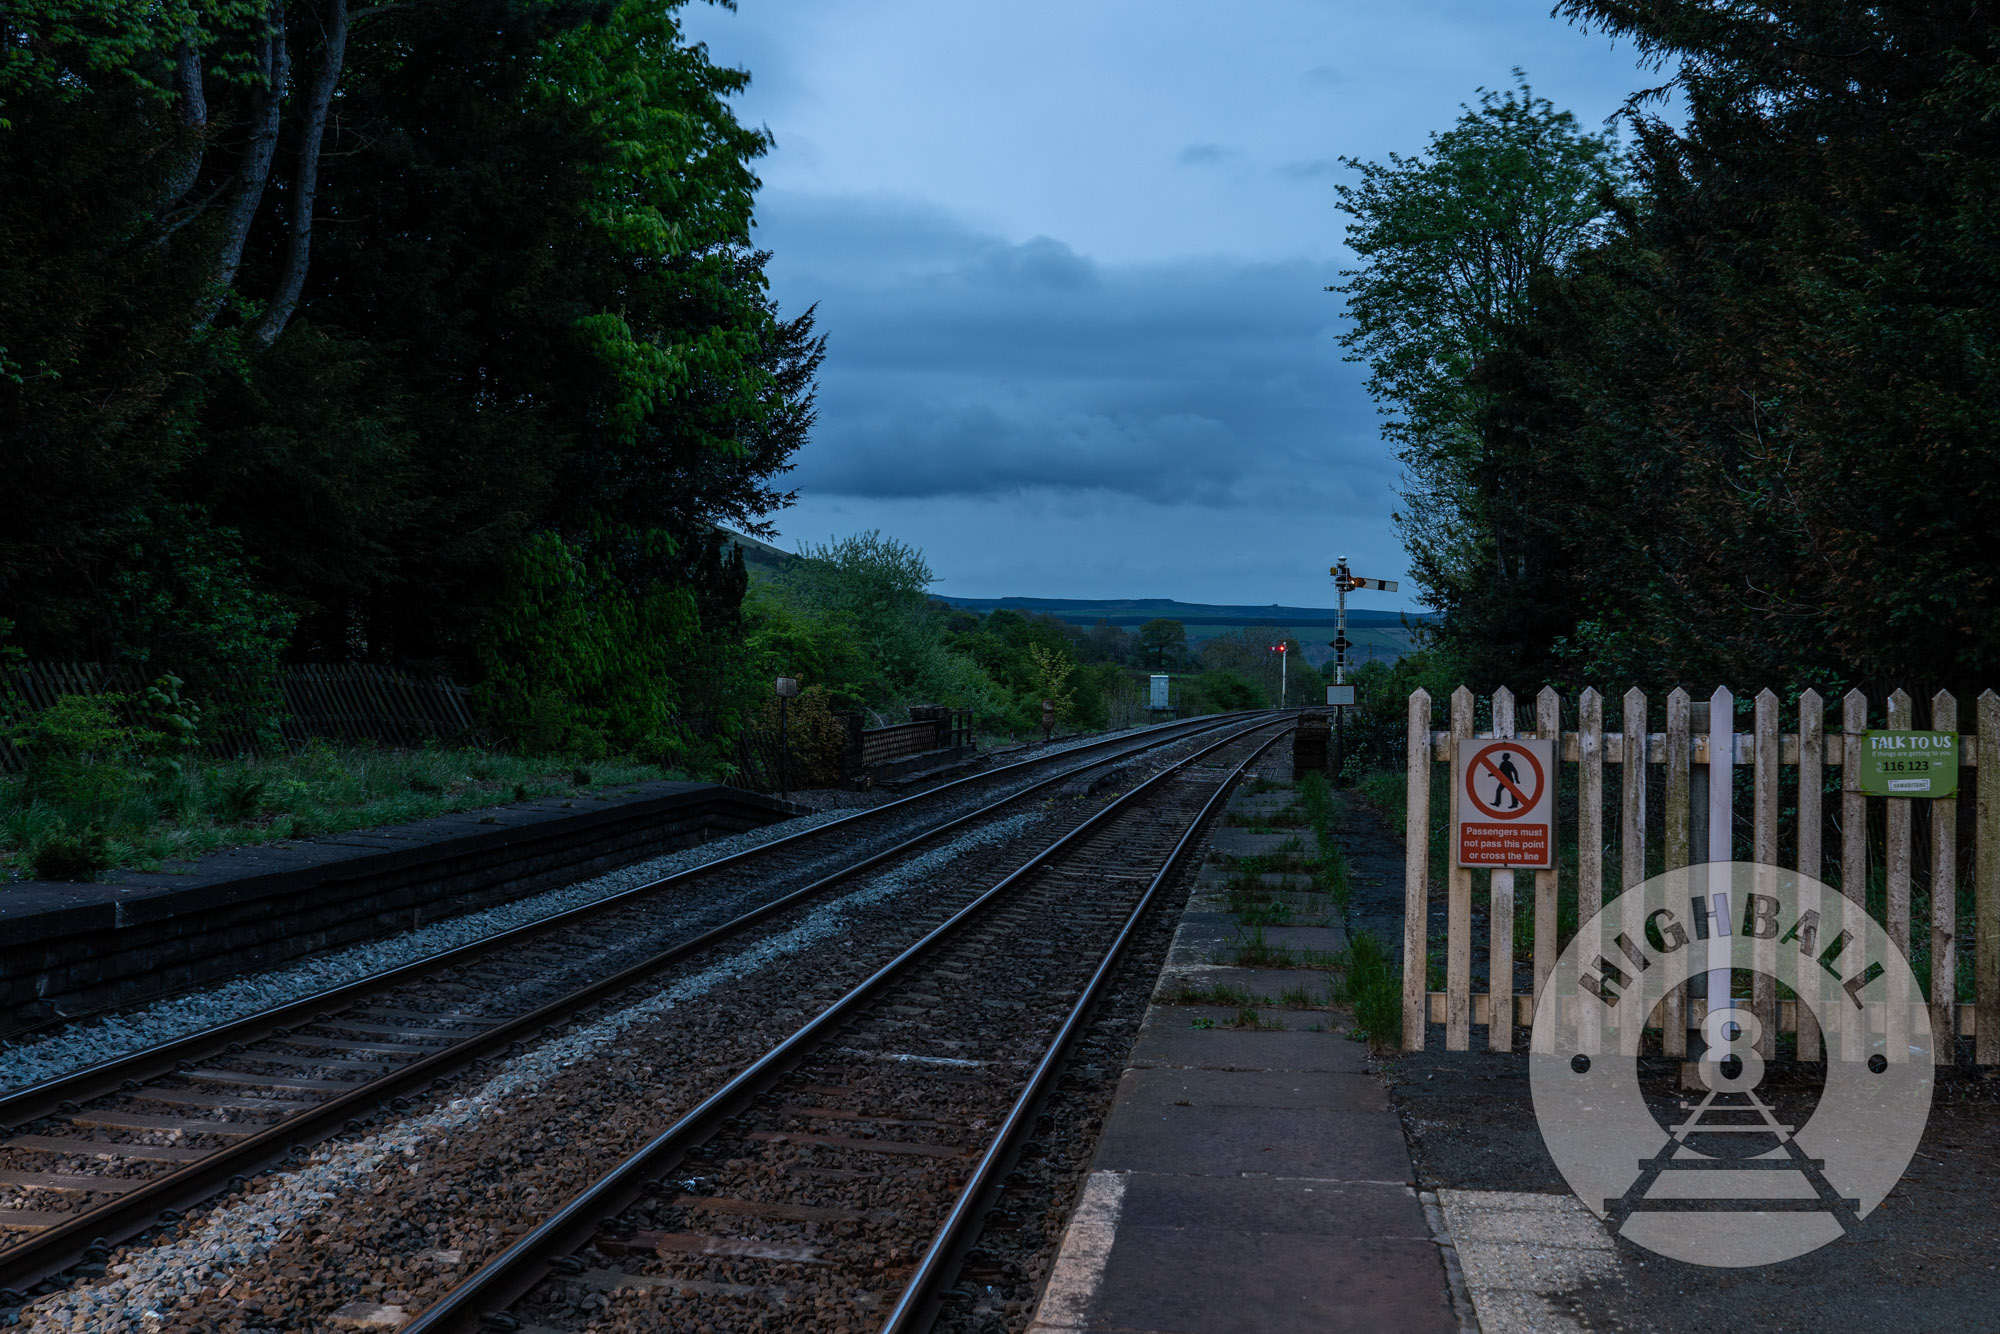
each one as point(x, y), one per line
point(1313, 170)
point(961, 365)
point(1201, 155)
point(1040, 262)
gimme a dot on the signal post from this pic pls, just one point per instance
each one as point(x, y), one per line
point(1340, 695)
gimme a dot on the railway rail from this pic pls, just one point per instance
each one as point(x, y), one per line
point(838, 1181)
point(190, 1117)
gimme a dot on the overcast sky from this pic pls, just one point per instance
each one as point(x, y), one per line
point(1069, 258)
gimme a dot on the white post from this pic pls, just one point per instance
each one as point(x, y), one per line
point(1721, 755)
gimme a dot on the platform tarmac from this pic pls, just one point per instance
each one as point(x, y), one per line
point(1252, 1176)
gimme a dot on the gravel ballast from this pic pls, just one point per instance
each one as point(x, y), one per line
point(59, 1051)
point(347, 1211)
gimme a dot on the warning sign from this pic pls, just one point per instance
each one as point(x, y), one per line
point(1503, 807)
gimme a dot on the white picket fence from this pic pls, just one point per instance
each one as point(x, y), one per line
point(1668, 766)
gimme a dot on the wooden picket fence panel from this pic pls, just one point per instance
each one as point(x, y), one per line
point(357, 703)
point(1682, 753)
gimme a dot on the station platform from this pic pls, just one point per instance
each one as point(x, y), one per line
point(1252, 1176)
point(1261, 1172)
point(68, 950)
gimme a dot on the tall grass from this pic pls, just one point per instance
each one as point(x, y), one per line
point(1372, 986)
point(1322, 810)
point(143, 818)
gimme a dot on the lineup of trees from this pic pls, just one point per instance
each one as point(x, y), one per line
point(427, 334)
point(1718, 405)
point(856, 621)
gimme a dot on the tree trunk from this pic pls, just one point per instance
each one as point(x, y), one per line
point(194, 119)
point(275, 66)
point(305, 180)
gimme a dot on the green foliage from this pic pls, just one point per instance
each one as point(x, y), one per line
point(1222, 691)
point(71, 854)
point(140, 817)
point(578, 664)
point(1743, 433)
point(1452, 242)
point(79, 751)
point(1053, 669)
point(1248, 653)
point(539, 313)
point(1164, 641)
point(239, 798)
point(1371, 983)
point(879, 588)
point(817, 738)
point(175, 719)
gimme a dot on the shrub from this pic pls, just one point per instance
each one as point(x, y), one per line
point(78, 752)
point(817, 737)
point(1225, 691)
point(67, 854)
point(579, 663)
point(240, 798)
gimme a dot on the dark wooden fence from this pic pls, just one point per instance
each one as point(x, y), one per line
point(349, 702)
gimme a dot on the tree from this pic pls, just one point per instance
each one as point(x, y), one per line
point(1052, 676)
point(1164, 641)
point(1451, 243)
point(1108, 643)
point(539, 314)
point(1757, 412)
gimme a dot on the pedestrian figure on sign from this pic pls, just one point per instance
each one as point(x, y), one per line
point(1512, 775)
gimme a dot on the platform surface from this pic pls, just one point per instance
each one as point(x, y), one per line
point(1250, 1180)
point(37, 909)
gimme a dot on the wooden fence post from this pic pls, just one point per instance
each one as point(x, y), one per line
point(1986, 887)
point(1548, 726)
point(1853, 855)
point(1764, 851)
point(1589, 834)
point(1458, 907)
point(1633, 836)
point(1417, 872)
point(1812, 861)
point(1944, 901)
point(1674, 848)
point(1897, 873)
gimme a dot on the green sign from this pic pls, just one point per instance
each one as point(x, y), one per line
point(1909, 764)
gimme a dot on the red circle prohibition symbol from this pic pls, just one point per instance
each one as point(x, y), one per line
point(1473, 777)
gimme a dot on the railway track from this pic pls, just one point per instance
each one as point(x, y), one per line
point(181, 1121)
point(837, 1182)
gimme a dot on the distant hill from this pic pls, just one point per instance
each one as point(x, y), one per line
point(1128, 612)
point(1376, 634)
point(761, 557)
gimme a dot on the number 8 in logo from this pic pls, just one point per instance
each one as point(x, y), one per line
point(1731, 1063)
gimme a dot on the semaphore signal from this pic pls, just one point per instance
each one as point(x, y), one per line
point(1340, 694)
